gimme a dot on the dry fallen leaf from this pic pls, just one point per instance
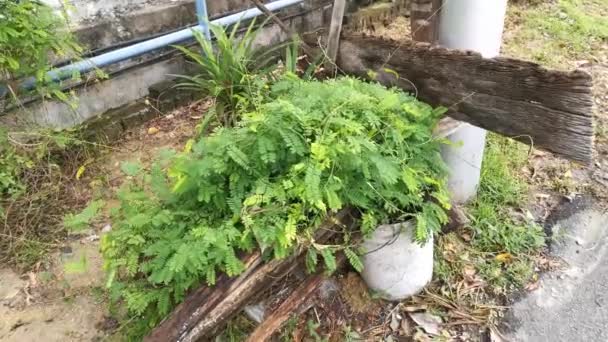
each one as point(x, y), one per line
point(406, 327)
point(469, 271)
point(532, 286)
point(394, 322)
point(33, 280)
point(431, 324)
point(504, 257)
point(80, 171)
point(419, 336)
point(496, 336)
point(542, 196)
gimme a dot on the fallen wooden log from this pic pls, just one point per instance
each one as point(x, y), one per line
point(207, 309)
point(549, 109)
point(200, 303)
point(292, 304)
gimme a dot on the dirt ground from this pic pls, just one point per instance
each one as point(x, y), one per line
point(64, 297)
point(57, 304)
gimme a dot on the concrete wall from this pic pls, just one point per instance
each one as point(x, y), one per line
point(102, 23)
point(131, 80)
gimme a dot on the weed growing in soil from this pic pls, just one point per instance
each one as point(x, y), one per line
point(37, 166)
point(36, 189)
point(496, 228)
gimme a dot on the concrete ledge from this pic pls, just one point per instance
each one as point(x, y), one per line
point(137, 24)
point(133, 84)
point(102, 23)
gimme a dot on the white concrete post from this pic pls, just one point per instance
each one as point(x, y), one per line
point(475, 25)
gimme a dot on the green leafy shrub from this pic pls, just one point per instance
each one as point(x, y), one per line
point(31, 35)
point(310, 149)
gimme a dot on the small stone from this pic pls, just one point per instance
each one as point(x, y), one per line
point(328, 289)
point(91, 238)
point(256, 312)
point(66, 250)
point(107, 228)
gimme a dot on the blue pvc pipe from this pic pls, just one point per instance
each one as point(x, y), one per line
point(141, 48)
point(202, 17)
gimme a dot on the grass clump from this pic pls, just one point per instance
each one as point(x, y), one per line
point(497, 249)
point(501, 193)
point(556, 33)
point(232, 71)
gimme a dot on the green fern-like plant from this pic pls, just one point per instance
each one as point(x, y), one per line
point(308, 150)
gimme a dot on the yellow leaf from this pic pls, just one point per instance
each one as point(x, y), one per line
point(179, 184)
point(372, 74)
point(80, 171)
point(504, 257)
point(188, 147)
point(153, 130)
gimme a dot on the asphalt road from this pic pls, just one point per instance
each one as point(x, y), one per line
point(570, 304)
